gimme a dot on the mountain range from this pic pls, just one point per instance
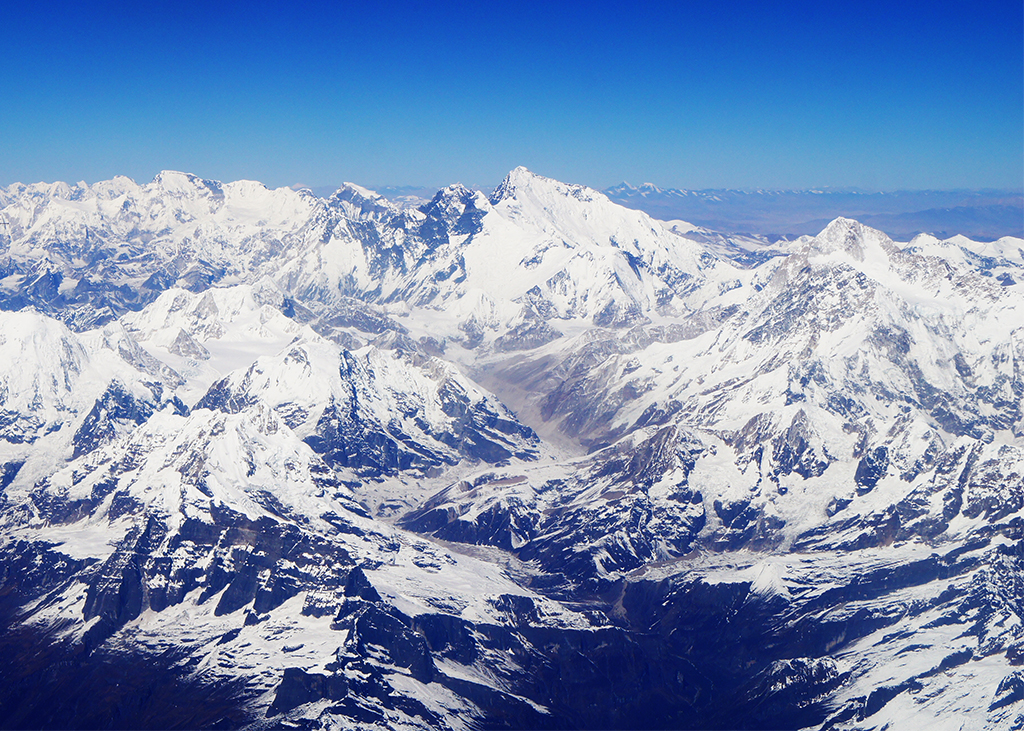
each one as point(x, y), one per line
point(526, 460)
point(985, 215)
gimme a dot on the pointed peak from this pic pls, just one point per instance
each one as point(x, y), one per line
point(924, 239)
point(840, 228)
point(521, 171)
point(347, 191)
point(60, 189)
point(356, 195)
point(517, 179)
point(360, 202)
point(846, 234)
point(521, 181)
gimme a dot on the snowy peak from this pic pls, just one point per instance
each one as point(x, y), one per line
point(40, 361)
point(522, 185)
point(454, 210)
point(50, 378)
point(454, 194)
point(359, 203)
point(114, 188)
point(187, 185)
point(519, 177)
point(176, 468)
point(201, 233)
point(241, 312)
point(622, 188)
point(852, 238)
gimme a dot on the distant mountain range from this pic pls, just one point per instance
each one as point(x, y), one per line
point(982, 215)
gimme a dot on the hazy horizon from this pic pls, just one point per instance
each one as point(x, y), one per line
point(488, 186)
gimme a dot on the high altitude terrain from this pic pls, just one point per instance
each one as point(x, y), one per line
point(531, 460)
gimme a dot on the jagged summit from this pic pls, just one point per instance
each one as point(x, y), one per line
point(453, 192)
point(454, 209)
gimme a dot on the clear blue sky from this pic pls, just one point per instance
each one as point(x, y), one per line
point(879, 95)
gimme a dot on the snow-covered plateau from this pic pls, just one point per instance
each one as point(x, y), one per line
point(526, 461)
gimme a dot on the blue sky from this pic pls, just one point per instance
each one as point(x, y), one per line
point(881, 96)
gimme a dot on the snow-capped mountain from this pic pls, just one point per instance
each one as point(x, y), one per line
point(64, 394)
point(841, 382)
point(376, 411)
point(531, 460)
point(561, 251)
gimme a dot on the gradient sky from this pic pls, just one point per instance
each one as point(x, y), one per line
point(876, 95)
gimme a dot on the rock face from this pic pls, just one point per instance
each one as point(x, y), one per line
point(526, 461)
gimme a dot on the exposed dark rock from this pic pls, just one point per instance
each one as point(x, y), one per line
point(871, 469)
point(188, 347)
point(1010, 690)
point(113, 410)
point(344, 440)
point(8, 472)
point(299, 687)
point(794, 450)
point(377, 629)
point(526, 336)
point(48, 683)
point(221, 397)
